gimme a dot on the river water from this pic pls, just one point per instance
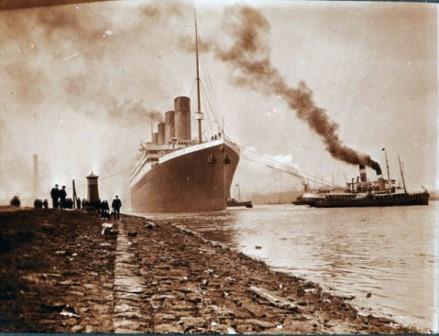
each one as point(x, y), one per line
point(386, 258)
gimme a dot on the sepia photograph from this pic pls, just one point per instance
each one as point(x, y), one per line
point(219, 167)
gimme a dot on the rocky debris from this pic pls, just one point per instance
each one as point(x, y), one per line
point(169, 328)
point(150, 225)
point(61, 308)
point(108, 231)
point(55, 281)
point(106, 226)
point(260, 323)
point(69, 311)
point(274, 299)
point(53, 307)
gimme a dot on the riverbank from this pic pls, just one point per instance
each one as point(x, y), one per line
point(60, 273)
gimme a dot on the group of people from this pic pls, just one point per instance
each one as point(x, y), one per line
point(60, 200)
point(104, 208)
point(58, 197)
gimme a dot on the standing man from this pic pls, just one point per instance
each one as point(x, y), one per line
point(62, 197)
point(116, 205)
point(54, 194)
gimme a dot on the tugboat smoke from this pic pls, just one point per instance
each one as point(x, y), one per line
point(248, 53)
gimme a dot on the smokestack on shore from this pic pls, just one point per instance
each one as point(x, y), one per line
point(363, 175)
point(35, 177)
point(182, 107)
point(169, 126)
point(161, 133)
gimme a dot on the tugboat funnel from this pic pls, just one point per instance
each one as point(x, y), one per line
point(363, 175)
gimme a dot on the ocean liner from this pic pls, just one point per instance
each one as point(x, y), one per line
point(175, 173)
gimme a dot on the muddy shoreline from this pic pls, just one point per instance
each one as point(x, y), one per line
point(60, 273)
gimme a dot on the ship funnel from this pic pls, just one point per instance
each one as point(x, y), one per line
point(182, 118)
point(155, 138)
point(381, 184)
point(363, 175)
point(169, 126)
point(161, 133)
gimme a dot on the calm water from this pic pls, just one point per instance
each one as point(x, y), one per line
point(388, 252)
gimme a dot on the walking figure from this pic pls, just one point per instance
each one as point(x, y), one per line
point(54, 193)
point(78, 203)
point(62, 197)
point(116, 205)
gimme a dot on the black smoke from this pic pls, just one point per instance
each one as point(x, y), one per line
point(248, 53)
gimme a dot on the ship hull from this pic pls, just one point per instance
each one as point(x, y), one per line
point(387, 200)
point(198, 180)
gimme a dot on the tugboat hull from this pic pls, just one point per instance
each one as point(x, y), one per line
point(374, 201)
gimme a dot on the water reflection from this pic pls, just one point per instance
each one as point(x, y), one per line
point(385, 257)
point(217, 226)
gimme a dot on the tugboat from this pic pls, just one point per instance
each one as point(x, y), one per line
point(235, 203)
point(231, 202)
point(364, 193)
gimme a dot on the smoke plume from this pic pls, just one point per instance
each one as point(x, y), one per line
point(248, 53)
point(130, 112)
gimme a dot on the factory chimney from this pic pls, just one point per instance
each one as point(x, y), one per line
point(363, 175)
point(35, 177)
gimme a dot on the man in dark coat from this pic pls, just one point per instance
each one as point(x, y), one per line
point(116, 205)
point(62, 197)
point(54, 193)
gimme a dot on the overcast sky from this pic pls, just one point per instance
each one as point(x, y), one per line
point(77, 81)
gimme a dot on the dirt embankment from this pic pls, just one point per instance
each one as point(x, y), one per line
point(58, 273)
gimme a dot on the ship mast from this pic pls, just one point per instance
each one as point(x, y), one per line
point(402, 174)
point(198, 114)
point(387, 167)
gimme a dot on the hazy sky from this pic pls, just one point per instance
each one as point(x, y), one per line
point(77, 82)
